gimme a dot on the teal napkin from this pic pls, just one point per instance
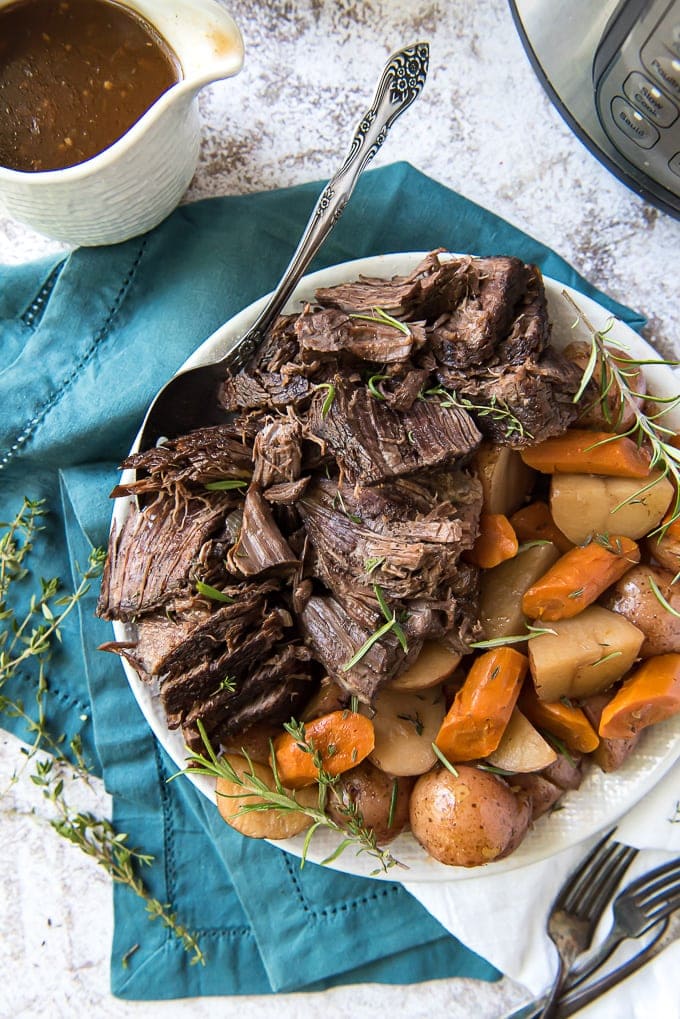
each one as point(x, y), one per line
point(86, 340)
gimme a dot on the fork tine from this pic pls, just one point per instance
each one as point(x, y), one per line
point(657, 880)
point(575, 882)
point(663, 905)
point(608, 878)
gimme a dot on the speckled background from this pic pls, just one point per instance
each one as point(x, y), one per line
point(482, 126)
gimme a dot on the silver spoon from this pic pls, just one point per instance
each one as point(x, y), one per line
point(185, 402)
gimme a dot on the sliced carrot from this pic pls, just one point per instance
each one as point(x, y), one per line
point(481, 709)
point(566, 721)
point(650, 695)
point(495, 543)
point(584, 452)
point(579, 578)
point(535, 523)
point(342, 738)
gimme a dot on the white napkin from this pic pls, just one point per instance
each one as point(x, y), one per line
point(502, 917)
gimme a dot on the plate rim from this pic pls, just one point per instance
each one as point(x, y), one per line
point(430, 870)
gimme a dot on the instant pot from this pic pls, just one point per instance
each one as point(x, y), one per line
point(612, 69)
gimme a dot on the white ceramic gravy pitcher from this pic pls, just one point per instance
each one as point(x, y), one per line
point(131, 186)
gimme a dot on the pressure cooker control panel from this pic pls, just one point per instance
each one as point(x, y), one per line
point(637, 87)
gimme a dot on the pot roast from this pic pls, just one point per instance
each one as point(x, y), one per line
point(336, 498)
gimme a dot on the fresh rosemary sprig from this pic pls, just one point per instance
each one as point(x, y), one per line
point(27, 639)
point(444, 760)
point(616, 369)
point(330, 396)
point(518, 638)
point(373, 389)
point(495, 409)
point(208, 591)
point(353, 830)
point(663, 602)
point(227, 485)
point(391, 623)
point(381, 316)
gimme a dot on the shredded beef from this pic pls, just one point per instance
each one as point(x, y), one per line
point(338, 499)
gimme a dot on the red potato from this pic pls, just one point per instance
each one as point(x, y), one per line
point(609, 754)
point(542, 793)
point(370, 791)
point(612, 416)
point(633, 597)
point(469, 819)
point(665, 546)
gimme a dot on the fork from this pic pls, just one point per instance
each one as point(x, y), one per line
point(579, 907)
point(669, 931)
point(642, 904)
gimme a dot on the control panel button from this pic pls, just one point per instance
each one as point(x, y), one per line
point(674, 164)
point(633, 124)
point(649, 99)
point(666, 70)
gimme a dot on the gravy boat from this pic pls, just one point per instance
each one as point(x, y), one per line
point(137, 181)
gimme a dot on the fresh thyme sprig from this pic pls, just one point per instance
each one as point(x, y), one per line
point(617, 369)
point(27, 639)
point(495, 409)
point(352, 829)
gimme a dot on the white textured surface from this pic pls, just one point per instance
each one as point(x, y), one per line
point(484, 127)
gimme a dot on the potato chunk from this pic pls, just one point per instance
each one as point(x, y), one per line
point(506, 479)
point(521, 748)
point(586, 504)
point(434, 664)
point(406, 724)
point(585, 655)
point(260, 824)
point(503, 587)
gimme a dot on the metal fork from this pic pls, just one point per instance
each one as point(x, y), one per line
point(669, 931)
point(641, 905)
point(579, 907)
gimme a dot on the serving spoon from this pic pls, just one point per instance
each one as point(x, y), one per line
point(186, 402)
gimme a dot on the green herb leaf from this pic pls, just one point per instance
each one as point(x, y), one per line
point(444, 760)
point(660, 598)
point(226, 485)
point(213, 593)
point(379, 315)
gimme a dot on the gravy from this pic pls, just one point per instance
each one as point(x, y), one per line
point(75, 75)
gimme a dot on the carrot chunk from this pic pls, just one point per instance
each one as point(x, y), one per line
point(579, 578)
point(535, 523)
point(566, 721)
point(584, 452)
point(342, 738)
point(476, 720)
point(495, 543)
point(651, 694)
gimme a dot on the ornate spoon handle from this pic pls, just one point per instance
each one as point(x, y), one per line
point(400, 84)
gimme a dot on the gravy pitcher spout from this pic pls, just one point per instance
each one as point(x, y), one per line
point(204, 36)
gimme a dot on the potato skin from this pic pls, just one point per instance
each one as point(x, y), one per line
point(634, 598)
point(260, 824)
point(468, 820)
point(370, 789)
